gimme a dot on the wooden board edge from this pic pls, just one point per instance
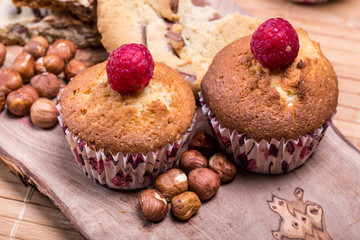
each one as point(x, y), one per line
point(25, 176)
point(337, 132)
point(23, 173)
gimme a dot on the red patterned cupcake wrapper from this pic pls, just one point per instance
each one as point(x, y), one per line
point(263, 157)
point(124, 171)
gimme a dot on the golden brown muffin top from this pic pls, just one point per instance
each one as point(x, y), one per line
point(264, 103)
point(137, 123)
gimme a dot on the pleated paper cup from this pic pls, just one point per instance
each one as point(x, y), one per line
point(123, 171)
point(276, 157)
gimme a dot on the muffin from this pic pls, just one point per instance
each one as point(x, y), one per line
point(269, 120)
point(124, 141)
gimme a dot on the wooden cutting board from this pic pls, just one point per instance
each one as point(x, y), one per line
point(320, 199)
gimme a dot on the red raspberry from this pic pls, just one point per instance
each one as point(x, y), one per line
point(275, 43)
point(130, 68)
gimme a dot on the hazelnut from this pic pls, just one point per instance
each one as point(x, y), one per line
point(204, 182)
point(37, 47)
point(46, 84)
point(43, 113)
point(2, 54)
point(73, 68)
point(19, 101)
point(171, 183)
point(203, 142)
point(192, 159)
point(223, 167)
point(10, 81)
point(185, 205)
point(24, 65)
point(153, 205)
point(2, 100)
point(63, 48)
point(49, 63)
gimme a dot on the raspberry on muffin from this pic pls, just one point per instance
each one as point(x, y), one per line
point(275, 44)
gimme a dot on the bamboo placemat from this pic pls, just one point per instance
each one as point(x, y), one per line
point(27, 214)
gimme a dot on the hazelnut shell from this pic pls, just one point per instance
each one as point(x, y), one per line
point(43, 113)
point(223, 167)
point(204, 182)
point(171, 183)
point(185, 205)
point(2, 100)
point(153, 205)
point(10, 80)
point(49, 63)
point(203, 143)
point(2, 54)
point(19, 102)
point(73, 68)
point(37, 47)
point(192, 159)
point(24, 65)
point(46, 84)
point(63, 48)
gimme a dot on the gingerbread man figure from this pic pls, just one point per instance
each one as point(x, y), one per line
point(299, 219)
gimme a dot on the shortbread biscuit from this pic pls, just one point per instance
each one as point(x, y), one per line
point(20, 24)
point(84, 9)
point(184, 36)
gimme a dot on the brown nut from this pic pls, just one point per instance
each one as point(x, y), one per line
point(171, 183)
point(2, 100)
point(2, 54)
point(43, 113)
point(192, 159)
point(24, 65)
point(10, 81)
point(46, 84)
point(185, 205)
point(153, 205)
point(203, 142)
point(204, 182)
point(37, 47)
point(49, 63)
point(73, 68)
point(19, 102)
point(63, 48)
point(222, 166)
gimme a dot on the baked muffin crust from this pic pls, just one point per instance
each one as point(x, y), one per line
point(266, 104)
point(138, 123)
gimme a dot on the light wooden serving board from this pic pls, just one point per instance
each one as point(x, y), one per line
point(325, 203)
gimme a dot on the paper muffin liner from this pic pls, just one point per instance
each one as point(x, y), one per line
point(263, 157)
point(124, 171)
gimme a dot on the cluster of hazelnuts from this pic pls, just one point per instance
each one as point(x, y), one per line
point(32, 80)
point(196, 172)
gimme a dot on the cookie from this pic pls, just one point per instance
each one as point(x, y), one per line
point(181, 34)
point(84, 9)
point(20, 24)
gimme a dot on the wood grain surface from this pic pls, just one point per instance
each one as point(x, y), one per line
point(26, 214)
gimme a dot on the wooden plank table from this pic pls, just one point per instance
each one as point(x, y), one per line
point(27, 214)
